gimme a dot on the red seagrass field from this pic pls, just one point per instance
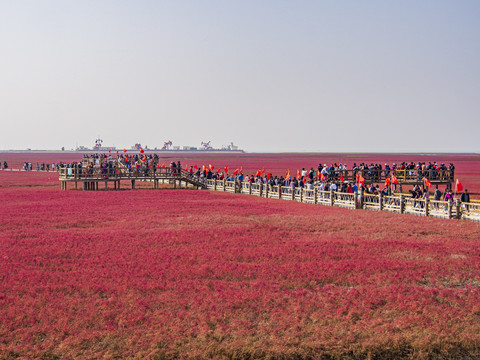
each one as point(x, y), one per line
point(198, 274)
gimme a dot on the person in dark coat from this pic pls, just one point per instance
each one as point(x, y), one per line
point(465, 198)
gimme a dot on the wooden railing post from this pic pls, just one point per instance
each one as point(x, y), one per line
point(315, 195)
point(380, 201)
point(250, 188)
point(331, 197)
point(279, 192)
point(261, 190)
point(457, 208)
point(427, 206)
point(293, 193)
point(450, 206)
point(402, 204)
point(266, 190)
point(301, 194)
point(355, 200)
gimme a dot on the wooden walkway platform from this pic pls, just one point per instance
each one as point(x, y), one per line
point(112, 178)
point(399, 203)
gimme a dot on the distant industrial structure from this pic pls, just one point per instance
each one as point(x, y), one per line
point(97, 147)
point(167, 146)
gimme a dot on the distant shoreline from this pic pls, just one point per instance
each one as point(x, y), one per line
point(149, 151)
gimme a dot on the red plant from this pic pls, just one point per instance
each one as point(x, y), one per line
point(177, 273)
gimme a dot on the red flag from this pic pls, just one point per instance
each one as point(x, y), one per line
point(195, 167)
point(394, 179)
point(124, 150)
point(287, 175)
point(341, 177)
point(387, 181)
point(109, 150)
point(269, 175)
point(259, 172)
point(458, 186)
point(226, 169)
point(203, 168)
point(117, 152)
point(322, 177)
point(299, 175)
point(235, 172)
point(144, 158)
point(126, 158)
point(263, 171)
point(304, 180)
point(211, 167)
point(361, 179)
point(426, 182)
point(163, 165)
point(141, 150)
point(241, 170)
point(219, 171)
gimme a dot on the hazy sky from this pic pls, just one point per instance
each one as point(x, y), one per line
point(317, 76)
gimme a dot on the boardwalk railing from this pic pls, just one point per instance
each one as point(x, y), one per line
point(393, 204)
point(470, 211)
point(400, 204)
point(371, 202)
point(345, 200)
point(90, 177)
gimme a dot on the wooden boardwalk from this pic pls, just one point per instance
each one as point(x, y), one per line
point(401, 203)
point(112, 178)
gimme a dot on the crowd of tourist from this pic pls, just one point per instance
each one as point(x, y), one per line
point(28, 166)
point(334, 177)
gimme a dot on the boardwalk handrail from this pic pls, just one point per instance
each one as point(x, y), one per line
point(402, 203)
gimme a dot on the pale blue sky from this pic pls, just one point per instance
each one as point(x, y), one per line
point(353, 76)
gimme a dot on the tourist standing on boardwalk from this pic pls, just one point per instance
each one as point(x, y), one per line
point(447, 198)
point(437, 196)
point(465, 198)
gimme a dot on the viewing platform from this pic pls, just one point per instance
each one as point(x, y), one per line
point(111, 178)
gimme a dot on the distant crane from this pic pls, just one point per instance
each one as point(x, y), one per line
point(206, 145)
point(98, 144)
point(167, 145)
